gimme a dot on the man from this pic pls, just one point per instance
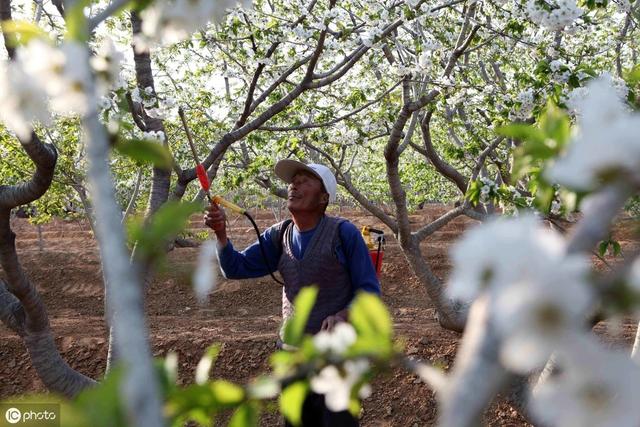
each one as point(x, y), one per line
point(315, 249)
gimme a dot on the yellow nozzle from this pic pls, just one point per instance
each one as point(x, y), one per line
point(366, 235)
point(220, 201)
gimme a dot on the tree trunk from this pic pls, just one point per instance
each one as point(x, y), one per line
point(124, 293)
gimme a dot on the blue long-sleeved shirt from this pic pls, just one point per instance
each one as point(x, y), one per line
point(351, 252)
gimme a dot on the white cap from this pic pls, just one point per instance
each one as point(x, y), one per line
point(286, 169)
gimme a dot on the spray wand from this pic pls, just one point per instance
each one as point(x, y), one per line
point(201, 173)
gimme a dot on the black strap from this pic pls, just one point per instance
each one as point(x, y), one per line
point(283, 227)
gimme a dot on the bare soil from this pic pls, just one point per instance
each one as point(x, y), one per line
point(242, 315)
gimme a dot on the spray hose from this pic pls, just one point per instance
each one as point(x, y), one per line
point(201, 173)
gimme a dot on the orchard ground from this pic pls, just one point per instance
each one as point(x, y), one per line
point(244, 315)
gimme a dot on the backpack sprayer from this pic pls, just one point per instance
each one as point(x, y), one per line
point(372, 236)
point(201, 173)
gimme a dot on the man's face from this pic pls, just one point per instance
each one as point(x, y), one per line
point(306, 193)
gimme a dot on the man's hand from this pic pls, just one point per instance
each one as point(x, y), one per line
point(216, 219)
point(331, 321)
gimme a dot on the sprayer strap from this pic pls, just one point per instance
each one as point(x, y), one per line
point(283, 227)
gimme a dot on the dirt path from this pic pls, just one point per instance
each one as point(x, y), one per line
point(243, 316)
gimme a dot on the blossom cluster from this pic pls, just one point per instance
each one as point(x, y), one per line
point(45, 77)
point(541, 295)
point(606, 146)
point(337, 384)
point(155, 136)
point(167, 22)
point(540, 299)
point(553, 15)
point(488, 190)
point(155, 106)
point(526, 103)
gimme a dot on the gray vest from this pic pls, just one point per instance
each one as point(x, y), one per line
point(319, 266)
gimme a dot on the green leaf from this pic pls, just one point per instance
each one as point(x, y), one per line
point(245, 416)
point(522, 132)
point(140, 5)
point(294, 328)
point(544, 196)
point(556, 125)
point(473, 192)
point(291, 401)
point(633, 76)
point(76, 21)
point(602, 247)
point(281, 361)
point(165, 224)
point(370, 317)
point(227, 393)
point(102, 405)
point(354, 407)
point(146, 152)
point(194, 402)
point(616, 248)
point(26, 30)
point(200, 402)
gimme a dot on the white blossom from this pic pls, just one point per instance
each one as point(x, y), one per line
point(104, 103)
point(156, 113)
point(204, 276)
point(595, 388)
point(367, 38)
point(264, 388)
point(500, 253)
point(169, 22)
point(107, 64)
point(120, 83)
point(22, 100)
point(526, 103)
point(403, 70)
point(336, 385)
point(135, 95)
point(624, 5)
point(424, 60)
point(301, 33)
point(606, 146)
point(562, 13)
point(63, 72)
point(155, 136)
point(169, 102)
point(538, 313)
point(556, 64)
point(336, 341)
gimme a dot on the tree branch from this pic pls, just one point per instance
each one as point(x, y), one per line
point(444, 168)
point(114, 7)
point(330, 122)
point(440, 222)
point(9, 40)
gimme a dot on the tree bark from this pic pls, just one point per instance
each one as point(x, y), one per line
point(125, 308)
point(161, 178)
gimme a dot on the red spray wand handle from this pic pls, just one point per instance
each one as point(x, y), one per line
point(201, 173)
point(202, 177)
